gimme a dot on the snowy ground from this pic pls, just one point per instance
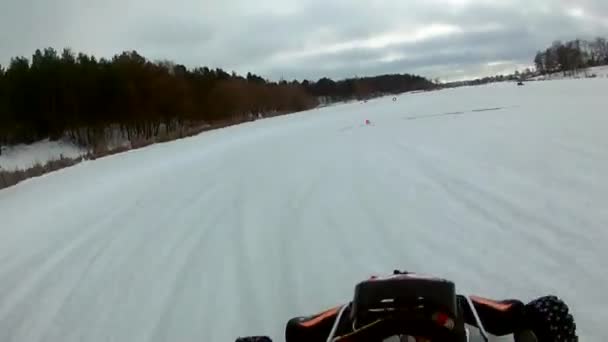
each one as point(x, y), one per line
point(25, 156)
point(600, 72)
point(501, 188)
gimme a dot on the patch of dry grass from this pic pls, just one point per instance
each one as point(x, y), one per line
point(10, 178)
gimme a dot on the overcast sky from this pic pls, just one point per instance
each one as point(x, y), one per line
point(450, 39)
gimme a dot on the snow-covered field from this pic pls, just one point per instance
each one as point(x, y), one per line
point(23, 156)
point(501, 188)
point(600, 72)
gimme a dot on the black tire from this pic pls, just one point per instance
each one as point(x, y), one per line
point(254, 339)
point(549, 318)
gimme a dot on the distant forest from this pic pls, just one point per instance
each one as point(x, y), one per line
point(572, 56)
point(79, 96)
point(57, 95)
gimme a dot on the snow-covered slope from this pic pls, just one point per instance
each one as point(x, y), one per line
point(501, 188)
point(600, 72)
point(25, 156)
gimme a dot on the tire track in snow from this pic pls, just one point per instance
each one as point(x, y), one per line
point(290, 227)
point(479, 202)
point(188, 279)
point(30, 283)
point(182, 284)
point(472, 195)
point(457, 189)
point(173, 243)
point(244, 271)
point(19, 263)
point(76, 257)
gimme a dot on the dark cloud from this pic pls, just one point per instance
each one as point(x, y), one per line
point(463, 49)
point(307, 38)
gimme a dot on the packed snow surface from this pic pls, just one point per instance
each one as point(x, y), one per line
point(500, 188)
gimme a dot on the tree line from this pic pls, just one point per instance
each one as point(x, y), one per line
point(571, 56)
point(67, 94)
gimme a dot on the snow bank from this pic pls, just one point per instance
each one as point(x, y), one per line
point(20, 157)
point(599, 72)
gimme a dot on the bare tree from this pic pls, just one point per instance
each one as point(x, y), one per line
point(539, 62)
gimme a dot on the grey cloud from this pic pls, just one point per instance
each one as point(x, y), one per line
point(471, 48)
point(520, 35)
point(168, 34)
point(246, 35)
